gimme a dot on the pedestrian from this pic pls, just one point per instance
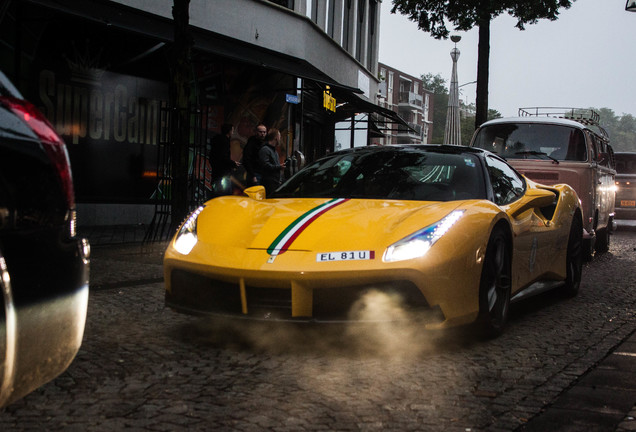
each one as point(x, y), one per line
point(250, 155)
point(269, 166)
point(221, 162)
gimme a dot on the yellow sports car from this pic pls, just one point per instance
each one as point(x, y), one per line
point(448, 234)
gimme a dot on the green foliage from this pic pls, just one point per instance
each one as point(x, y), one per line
point(437, 85)
point(434, 83)
point(467, 121)
point(432, 16)
point(621, 129)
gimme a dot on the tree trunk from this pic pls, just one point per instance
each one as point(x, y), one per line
point(179, 98)
point(483, 58)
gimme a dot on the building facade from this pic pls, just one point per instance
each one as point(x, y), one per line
point(406, 95)
point(102, 71)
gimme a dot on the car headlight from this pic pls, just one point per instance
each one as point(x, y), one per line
point(417, 244)
point(187, 236)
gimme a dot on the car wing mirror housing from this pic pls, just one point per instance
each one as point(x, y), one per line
point(255, 192)
point(534, 198)
point(603, 158)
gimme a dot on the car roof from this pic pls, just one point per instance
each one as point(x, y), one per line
point(541, 120)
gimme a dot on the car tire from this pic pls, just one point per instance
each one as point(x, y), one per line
point(574, 259)
point(602, 240)
point(495, 285)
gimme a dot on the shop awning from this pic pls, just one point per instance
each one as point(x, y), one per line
point(349, 104)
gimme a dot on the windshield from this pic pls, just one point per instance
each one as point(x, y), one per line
point(389, 174)
point(625, 163)
point(533, 141)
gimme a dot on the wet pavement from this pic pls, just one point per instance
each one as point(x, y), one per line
point(562, 365)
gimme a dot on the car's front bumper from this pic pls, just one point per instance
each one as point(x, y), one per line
point(430, 289)
point(378, 301)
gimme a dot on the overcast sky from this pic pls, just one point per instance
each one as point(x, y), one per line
point(586, 58)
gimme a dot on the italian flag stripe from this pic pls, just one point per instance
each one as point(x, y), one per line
point(287, 237)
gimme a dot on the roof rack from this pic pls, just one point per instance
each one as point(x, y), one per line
point(586, 116)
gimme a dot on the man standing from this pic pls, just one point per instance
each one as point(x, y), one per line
point(250, 155)
point(269, 166)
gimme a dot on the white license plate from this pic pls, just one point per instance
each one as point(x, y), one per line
point(345, 256)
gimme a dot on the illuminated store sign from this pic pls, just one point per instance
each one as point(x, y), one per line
point(328, 101)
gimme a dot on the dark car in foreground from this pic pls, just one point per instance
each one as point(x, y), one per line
point(625, 185)
point(43, 264)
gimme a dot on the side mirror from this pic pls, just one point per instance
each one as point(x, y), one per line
point(603, 158)
point(255, 192)
point(535, 198)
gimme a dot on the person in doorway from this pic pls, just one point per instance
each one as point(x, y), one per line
point(250, 155)
point(221, 162)
point(269, 166)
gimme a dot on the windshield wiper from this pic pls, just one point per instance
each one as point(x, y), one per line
point(536, 153)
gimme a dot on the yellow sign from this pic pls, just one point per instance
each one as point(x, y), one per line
point(328, 101)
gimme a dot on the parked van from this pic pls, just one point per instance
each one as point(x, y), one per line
point(561, 145)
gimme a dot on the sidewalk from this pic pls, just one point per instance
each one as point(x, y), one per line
point(113, 234)
point(601, 399)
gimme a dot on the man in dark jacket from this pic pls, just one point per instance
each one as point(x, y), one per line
point(250, 155)
point(269, 166)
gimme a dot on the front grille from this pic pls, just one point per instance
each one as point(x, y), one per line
point(194, 293)
point(337, 303)
point(268, 302)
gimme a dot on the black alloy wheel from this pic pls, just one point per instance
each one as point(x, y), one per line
point(574, 258)
point(495, 285)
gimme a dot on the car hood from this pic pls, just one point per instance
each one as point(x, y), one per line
point(314, 224)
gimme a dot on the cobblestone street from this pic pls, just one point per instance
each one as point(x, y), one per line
point(145, 367)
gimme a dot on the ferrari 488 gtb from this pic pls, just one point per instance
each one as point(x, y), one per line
point(447, 233)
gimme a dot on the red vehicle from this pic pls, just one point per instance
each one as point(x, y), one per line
point(561, 145)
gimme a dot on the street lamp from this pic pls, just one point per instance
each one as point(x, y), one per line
point(630, 6)
point(452, 131)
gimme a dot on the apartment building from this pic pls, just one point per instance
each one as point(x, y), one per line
point(405, 95)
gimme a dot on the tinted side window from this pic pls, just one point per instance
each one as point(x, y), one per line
point(596, 146)
point(603, 150)
point(507, 185)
